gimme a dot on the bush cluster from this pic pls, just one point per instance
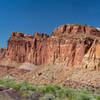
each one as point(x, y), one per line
point(50, 92)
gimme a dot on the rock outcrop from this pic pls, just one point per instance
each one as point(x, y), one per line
point(2, 52)
point(9, 94)
point(76, 29)
point(68, 43)
point(92, 59)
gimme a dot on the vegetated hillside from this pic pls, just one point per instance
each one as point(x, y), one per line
point(69, 57)
point(41, 92)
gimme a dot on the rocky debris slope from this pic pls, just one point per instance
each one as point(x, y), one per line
point(68, 43)
point(50, 74)
point(9, 94)
point(8, 72)
point(78, 85)
point(85, 76)
point(27, 66)
point(63, 76)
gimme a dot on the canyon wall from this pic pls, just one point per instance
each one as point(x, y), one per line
point(72, 44)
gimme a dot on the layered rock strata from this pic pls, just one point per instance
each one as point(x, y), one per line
point(72, 44)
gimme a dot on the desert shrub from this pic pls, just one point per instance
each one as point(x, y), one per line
point(50, 92)
point(81, 96)
point(97, 97)
point(1, 82)
point(62, 93)
point(27, 87)
point(70, 95)
point(32, 95)
point(87, 90)
point(10, 84)
point(48, 96)
point(50, 89)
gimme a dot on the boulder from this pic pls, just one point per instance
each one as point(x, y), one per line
point(9, 94)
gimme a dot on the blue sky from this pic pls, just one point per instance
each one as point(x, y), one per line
point(31, 16)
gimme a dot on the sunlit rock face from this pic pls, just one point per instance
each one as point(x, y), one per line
point(76, 29)
point(68, 43)
point(92, 59)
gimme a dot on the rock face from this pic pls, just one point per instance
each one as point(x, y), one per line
point(76, 29)
point(72, 44)
point(92, 58)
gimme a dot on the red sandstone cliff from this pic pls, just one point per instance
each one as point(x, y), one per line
point(68, 43)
